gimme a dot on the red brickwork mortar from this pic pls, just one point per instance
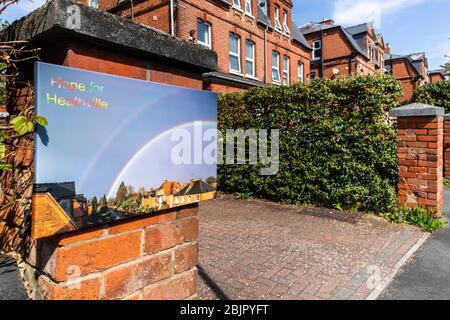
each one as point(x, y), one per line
point(420, 160)
point(147, 258)
point(447, 146)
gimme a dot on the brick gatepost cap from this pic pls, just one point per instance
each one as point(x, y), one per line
point(417, 110)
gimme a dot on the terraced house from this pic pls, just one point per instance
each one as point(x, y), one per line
point(256, 41)
point(411, 70)
point(339, 51)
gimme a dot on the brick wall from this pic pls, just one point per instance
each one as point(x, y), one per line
point(337, 51)
point(223, 21)
point(447, 146)
point(436, 77)
point(420, 157)
point(151, 257)
point(404, 72)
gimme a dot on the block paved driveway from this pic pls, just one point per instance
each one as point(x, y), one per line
point(261, 250)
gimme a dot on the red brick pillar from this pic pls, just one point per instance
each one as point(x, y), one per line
point(447, 146)
point(420, 156)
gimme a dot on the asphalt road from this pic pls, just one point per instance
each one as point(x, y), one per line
point(428, 276)
point(11, 285)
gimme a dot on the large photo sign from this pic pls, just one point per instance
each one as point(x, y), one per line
point(117, 147)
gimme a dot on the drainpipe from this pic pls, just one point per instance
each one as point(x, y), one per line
point(172, 22)
point(321, 52)
point(265, 54)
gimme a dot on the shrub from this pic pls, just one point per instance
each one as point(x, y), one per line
point(436, 94)
point(336, 148)
point(427, 221)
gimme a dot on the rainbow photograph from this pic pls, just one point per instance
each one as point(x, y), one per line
point(116, 147)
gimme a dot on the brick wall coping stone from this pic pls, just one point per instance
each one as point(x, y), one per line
point(417, 110)
point(447, 117)
point(54, 21)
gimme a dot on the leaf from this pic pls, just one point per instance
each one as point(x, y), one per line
point(41, 120)
point(5, 166)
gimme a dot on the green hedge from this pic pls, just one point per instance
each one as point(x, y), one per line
point(436, 94)
point(336, 149)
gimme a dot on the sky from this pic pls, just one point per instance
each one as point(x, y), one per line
point(410, 26)
point(130, 141)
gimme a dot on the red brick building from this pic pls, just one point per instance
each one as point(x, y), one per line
point(436, 76)
point(256, 41)
point(147, 257)
point(411, 70)
point(339, 51)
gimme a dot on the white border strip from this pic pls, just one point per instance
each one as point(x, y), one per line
point(385, 283)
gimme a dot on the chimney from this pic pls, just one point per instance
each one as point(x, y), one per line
point(191, 183)
point(327, 21)
point(387, 49)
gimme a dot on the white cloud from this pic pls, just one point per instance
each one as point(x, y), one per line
point(350, 12)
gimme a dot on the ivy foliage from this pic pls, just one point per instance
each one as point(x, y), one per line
point(436, 94)
point(336, 147)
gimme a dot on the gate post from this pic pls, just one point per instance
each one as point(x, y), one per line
point(447, 146)
point(420, 156)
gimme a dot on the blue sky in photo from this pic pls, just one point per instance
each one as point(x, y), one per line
point(130, 141)
point(408, 25)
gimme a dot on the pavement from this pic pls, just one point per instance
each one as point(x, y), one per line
point(11, 285)
point(251, 249)
point(427, 275)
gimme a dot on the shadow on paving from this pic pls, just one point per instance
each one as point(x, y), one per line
point(428, 276)
point(11, 285)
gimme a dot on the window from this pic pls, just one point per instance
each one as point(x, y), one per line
point(276, 67)
point(204, 34)
point(250, 58)
point(312, 75)
point(285, 23)
point(235, 53)
point(317, 50)
point(248, 7)
point(300, 70)
point(237, 4)
point(277, 18)
point(93, 3)
point(286, 67)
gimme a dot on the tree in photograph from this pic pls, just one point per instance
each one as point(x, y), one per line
point(139, 199)
point(102, 201)
point(122, 194)
point(94, 203)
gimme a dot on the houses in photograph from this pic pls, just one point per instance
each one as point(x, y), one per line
point(171, 194)
point(58, 208)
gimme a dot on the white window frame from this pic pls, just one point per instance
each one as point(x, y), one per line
point(276, 15)
point(286, 29)
point(300, 71)
point(276, 67)
point(92, 6)
point(286, 70)
point(251, 60)
point(207, 45)
point(234, 54)
point(248, 8)
point(237, 5)
point(316, 48)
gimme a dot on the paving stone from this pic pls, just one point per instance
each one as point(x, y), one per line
point(263, 250)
